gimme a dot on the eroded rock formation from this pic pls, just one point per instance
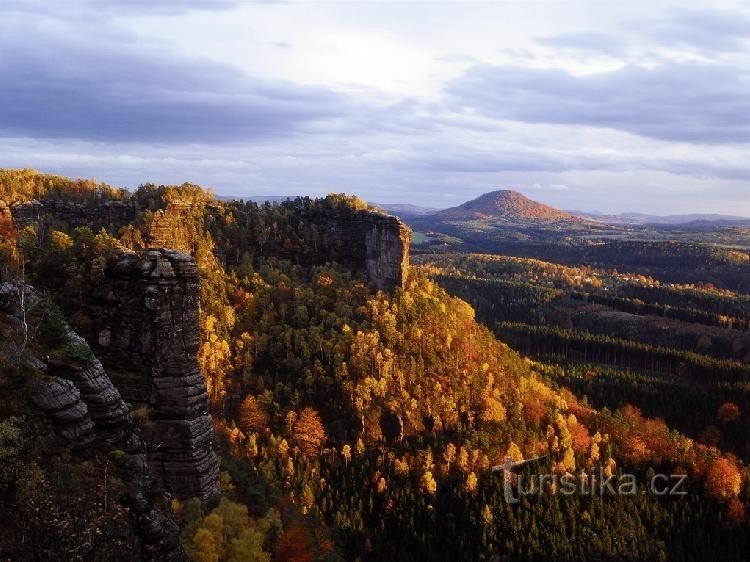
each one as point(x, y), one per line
point(94, 415)
point(387, 242)
point(369, 241)
point(61, 401)
point(147, 328)
point(88, 415)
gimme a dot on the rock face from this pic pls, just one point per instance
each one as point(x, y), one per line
point(88, 415)
point(378, 244)
point(108, 411)
point(96, 214)
point(362, 240)
point(147, 326)
point(167, 229)
point(61, 401)
point(387, 242)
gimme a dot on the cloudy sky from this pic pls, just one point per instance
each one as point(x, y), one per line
point(593, 105)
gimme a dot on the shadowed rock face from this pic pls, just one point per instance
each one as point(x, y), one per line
point(87, 412)
point(361, 240)
point(88, 415)
point(61, 401)
point(96, 214)
point(378, 244)
point(147, 328)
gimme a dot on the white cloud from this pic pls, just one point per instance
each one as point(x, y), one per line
point(636, 106)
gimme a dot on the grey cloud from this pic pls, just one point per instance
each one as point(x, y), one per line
point(702, 103)
point(108, 87)
point(704, 30)
point(102, 8)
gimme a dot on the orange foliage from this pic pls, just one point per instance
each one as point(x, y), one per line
point(251, 417)
point(535, 412)
point(579, 434)
point(293, 545)
point(634, 449)
point(723, 480)
point(309, 431)
point(728, 412)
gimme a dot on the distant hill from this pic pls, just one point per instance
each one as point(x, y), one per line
point(406, 210)
point(505, 205)
point(695, 219)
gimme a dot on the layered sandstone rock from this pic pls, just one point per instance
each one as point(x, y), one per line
point(105, 424)
point(147, 327)
point(61, 401)
point(167, 229)
point(88, 415)
point(387, 242)
point(369, 241)
point(108, 411)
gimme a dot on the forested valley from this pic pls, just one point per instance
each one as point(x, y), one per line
point(357, 423)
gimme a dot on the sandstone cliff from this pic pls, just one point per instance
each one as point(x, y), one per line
point(362, 240)
point(146, 331)
point(369, 241)
point(88, 416)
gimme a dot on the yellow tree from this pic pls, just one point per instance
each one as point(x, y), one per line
point(208, 539)
point(213, 358)
point(514, 452)
point(471, 483)
point(449, 455)
point(428, 483)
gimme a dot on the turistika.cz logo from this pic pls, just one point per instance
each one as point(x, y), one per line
point(518, 485)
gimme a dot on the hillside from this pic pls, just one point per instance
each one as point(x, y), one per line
point(505, 205)
point(358, 408)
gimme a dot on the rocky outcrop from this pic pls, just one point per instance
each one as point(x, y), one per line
point(167, 229)
point(104, 424)
point(147, 327)
point(61, 401)
point(145, 319)
point(363, 240)
point(369, 241)
point(387, 242)
point(109, 214)
point(108, 411)
point(89, 417)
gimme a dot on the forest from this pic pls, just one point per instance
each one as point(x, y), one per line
point(361, 424)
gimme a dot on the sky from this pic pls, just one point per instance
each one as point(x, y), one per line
point(589, 105)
